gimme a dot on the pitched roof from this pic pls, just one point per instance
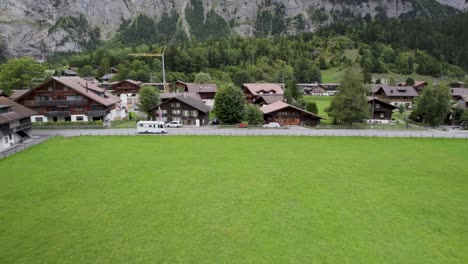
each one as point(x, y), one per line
point(17, 93)
point(195, 103)
point(88, 89)
point(278, 105)
point(394, 91)
point(137, 83)
point(369, 99)
point(172, 95)
point(258, 88)
point(458, 91)
point(202, 87)
point(270, 98)
point(18, 111)
point(70, 72)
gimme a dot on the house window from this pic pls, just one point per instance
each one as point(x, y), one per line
point(79, 118)
point(165, 119)
point(5, 140)
point(78, 108)
point(377, 106)
point(4, 110)
point(194, 113)
point(382, 115)
point(186, 113)
point(164, 112)
point(39, 119)
point(176, 119)
point(176, 112)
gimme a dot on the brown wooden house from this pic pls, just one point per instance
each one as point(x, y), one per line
point(286, 114)
point(184, 108)
point(125, 87)
point(381, 111)
point(394, 95)
point(207, 91)
point(254, 91)
point(462, 101)
point(15, 123)
point(70, 99)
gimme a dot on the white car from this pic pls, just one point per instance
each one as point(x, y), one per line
point(174, 124)
point(272, 125)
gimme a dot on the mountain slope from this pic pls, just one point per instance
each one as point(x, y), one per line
point(40, 27)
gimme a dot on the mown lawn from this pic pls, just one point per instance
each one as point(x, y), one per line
point(153, 199)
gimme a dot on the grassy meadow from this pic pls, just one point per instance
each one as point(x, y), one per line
point(153, 199)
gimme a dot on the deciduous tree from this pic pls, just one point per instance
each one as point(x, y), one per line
point(350, 103)
point(22, 73)
point(229, 104)
point(253, 114)
point(149, 98)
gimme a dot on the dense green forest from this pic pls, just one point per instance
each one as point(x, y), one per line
point(436, 47)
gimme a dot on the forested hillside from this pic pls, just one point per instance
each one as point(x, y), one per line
point(433, 47)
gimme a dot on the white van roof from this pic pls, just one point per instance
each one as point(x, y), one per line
point(150, 122)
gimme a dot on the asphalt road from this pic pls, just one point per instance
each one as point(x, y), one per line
point(294, 131)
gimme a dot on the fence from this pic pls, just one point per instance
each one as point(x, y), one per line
point(23, 146)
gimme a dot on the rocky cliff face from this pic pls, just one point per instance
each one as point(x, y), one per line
point(40, 27)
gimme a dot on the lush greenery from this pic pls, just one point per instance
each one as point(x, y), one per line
point(253, 115)
point(245, 199)
point(149, 98)
point(22, 73)
point(350, 103)
point(433, 106)
point(229, 104)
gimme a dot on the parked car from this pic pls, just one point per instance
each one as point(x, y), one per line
point(174, 124)
point(215, 122)
point(272, 125)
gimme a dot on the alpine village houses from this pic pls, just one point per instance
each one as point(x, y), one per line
point(395, 95)
point(70, 99)
point(184, 107)
point(207, 91)
point(15, 123)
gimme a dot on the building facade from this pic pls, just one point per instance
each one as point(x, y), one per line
point(15, 123)
point(381, 112)
point(72, 99)
point(184, 108)
point(289, 115)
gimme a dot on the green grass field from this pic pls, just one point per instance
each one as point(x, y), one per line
point(152, 199)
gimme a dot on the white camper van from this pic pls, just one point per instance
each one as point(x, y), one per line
point(157, 127)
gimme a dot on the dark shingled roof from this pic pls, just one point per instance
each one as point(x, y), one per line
point(393, 91)
point(195, 103)
point(269, 99)
point(17, 93)
point(18, 111)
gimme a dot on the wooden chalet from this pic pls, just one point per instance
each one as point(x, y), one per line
point(319, 89)
point(182, 107)
point(15, 123)
point(71, 99)
point(254, 91)
point(125, 87)
point(381, 111)
point(394, 95)
point(286, 114)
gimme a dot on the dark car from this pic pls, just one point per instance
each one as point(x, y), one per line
point(215, 121)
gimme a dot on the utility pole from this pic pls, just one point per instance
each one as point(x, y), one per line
point(154, 55)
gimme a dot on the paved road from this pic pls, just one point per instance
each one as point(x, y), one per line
point(296, 131)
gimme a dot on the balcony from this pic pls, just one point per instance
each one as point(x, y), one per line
point(55, 103)
point(96, 113)
point(58, 113)
point(21, 127)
